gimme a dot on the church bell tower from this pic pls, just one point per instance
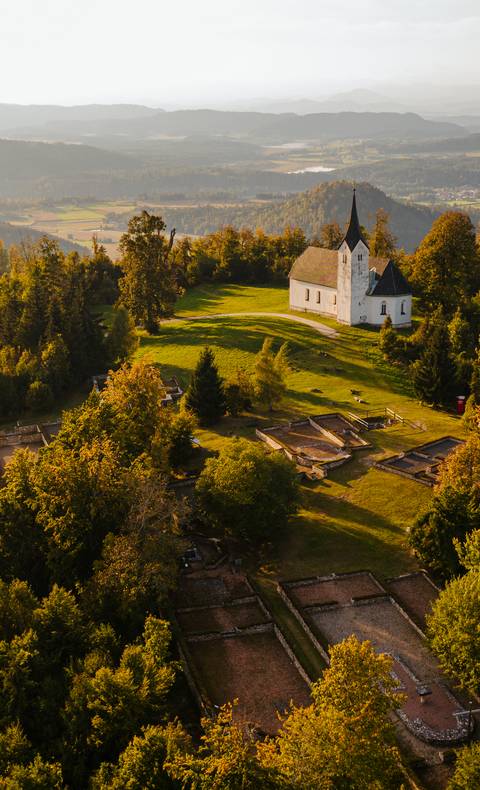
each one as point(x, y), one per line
point(352, 273)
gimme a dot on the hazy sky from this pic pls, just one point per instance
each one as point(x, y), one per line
point(202, 51)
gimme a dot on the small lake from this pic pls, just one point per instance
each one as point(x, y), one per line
point(312, 169)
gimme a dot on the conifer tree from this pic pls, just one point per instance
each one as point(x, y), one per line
point(4, 259)
point(32, 321)
point(475, 380)
point(434, 372)
point(331, 235)
point(205, 396)
point(122, 338)
point(269, 376)
point(388, 341)
point(460, 333)
point(382, 241)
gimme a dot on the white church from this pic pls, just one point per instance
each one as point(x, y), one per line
point(349, 285)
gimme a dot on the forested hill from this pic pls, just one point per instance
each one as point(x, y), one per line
point(30, 160)
point(18, 234)
point(329, 202)
point(15, 115)
point(332, 202)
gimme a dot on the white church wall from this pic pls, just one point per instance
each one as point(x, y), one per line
point(326, 303)
point(399, 308)
point(352, 284)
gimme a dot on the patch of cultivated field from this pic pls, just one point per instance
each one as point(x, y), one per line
point(359, 516)
point(77, 223)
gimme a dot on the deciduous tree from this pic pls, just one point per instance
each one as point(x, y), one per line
point(248, 493)
point(447, 266)
point(225, 760)
point(345, 739)
point(467, 769)
point(453, 630)
point(148, 286)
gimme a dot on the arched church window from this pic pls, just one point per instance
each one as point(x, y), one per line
point(402, 307)
point(383, 309)
point(318, 297)
point(360, 256)
point(307, 294)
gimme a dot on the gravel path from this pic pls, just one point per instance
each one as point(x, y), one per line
point(321, 328)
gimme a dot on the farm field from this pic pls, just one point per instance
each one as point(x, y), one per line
point(358, 517)
point(77, 223)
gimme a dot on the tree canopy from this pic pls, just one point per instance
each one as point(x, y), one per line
point(148, 285)
point(248, 493)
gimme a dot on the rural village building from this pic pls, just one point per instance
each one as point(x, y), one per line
point(349, 285)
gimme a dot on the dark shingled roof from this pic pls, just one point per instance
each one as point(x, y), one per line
point(354, 234)
point(391, 283)
point(318, 266)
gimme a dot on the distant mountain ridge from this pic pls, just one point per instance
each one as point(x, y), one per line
point(14, 115)
point(254, 126)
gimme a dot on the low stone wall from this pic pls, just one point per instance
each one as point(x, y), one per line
point(231, 604)
point(290, 653)
point(193, 679)
point(261, 628)
point(298, 616)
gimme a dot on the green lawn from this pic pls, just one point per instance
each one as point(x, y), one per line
point(358, 517)
point(209, 299)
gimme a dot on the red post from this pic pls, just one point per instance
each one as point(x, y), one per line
point(461, 404)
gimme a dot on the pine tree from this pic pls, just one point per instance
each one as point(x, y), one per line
point(434, 372)
point(269, 376)
point(382, 241)
point(388, 340)
point(205, 396)
point(331, 236)
point(4, 259)
point(460, 333)
point(475, 380)
point(32, 322)
point(122, 338)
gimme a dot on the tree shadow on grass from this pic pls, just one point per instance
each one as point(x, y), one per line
point(203, 298)
point(247, 337)
point(332, 537)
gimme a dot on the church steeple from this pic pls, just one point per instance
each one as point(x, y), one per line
point(354, 234)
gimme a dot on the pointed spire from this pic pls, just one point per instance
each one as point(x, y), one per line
point(354, 234)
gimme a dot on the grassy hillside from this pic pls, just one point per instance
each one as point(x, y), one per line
point(358, 516)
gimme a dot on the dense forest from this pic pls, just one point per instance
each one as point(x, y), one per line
point(50, 337)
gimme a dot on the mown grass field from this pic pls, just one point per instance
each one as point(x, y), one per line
point(359, 516)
